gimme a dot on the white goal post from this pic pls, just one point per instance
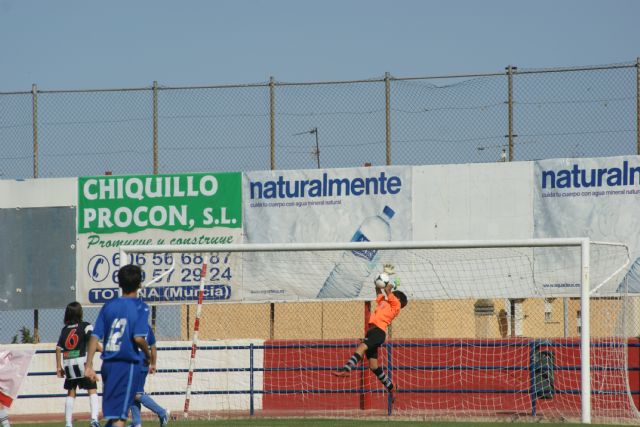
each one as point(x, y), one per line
point(589, 283)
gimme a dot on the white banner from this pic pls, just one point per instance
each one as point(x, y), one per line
point(597, 198)
point(478, 201)
point(323, 205)
point(487, 201)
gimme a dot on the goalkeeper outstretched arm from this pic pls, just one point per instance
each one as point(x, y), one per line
point(390, 270)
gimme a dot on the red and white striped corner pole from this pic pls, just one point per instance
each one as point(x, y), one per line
point(194, 342)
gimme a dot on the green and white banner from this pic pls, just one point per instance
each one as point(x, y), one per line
point(185, 209)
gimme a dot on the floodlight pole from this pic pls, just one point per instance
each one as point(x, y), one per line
point(315, 132)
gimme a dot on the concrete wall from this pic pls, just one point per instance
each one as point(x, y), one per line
point(42, 392)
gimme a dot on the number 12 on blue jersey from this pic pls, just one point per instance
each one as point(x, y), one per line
point(115, 334)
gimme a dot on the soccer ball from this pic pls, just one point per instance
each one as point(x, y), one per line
point(382, 280)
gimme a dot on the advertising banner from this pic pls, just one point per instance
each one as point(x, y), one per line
point(591, 197)
point(488, 201)
point(478, 201)
point(37, 222)
point(183, 209)
point(323, 205)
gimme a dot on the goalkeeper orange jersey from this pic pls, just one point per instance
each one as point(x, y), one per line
point(385, 312)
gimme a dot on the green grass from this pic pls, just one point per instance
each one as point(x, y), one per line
point(307, 422)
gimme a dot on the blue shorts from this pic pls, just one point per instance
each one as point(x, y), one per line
point(119, 378)
point(142, 378)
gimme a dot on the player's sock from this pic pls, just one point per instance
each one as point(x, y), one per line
point(135, 414)
point(4, 418)
point(152, 405)
point(384, 379)
point(352, 362)
point(94, 404)
point(68, 410)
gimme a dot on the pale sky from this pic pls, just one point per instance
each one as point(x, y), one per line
point(110, 44)
point(89, 44)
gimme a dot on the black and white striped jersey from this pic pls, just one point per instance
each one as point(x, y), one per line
point(73, 343)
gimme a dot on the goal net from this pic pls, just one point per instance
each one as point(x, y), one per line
point(532, 329)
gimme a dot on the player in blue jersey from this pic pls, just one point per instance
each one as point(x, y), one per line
point(122, 326)
point(144, 399)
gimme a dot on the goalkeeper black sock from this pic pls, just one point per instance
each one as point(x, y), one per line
point(353, 361)
point(384, 379)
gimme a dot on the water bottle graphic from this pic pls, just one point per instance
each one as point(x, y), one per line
point(353, 267)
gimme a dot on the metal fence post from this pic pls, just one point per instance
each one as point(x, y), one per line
point(272, 120)
point(154, 308)
point(155, 127)
point(638, 104)
point(387, 109)
point(510, 70)
point(34, 104)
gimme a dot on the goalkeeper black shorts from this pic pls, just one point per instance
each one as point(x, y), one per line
point(375, 338)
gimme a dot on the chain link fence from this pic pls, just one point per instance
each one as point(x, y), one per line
point(512, 115)
point(509, 115)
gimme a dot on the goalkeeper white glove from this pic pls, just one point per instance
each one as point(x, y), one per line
point(389, 269)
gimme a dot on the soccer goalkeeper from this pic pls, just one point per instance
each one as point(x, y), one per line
point(386, 310)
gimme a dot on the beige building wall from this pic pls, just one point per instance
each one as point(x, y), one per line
point(419, 320)
point(225, 321)
point(537, 323)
